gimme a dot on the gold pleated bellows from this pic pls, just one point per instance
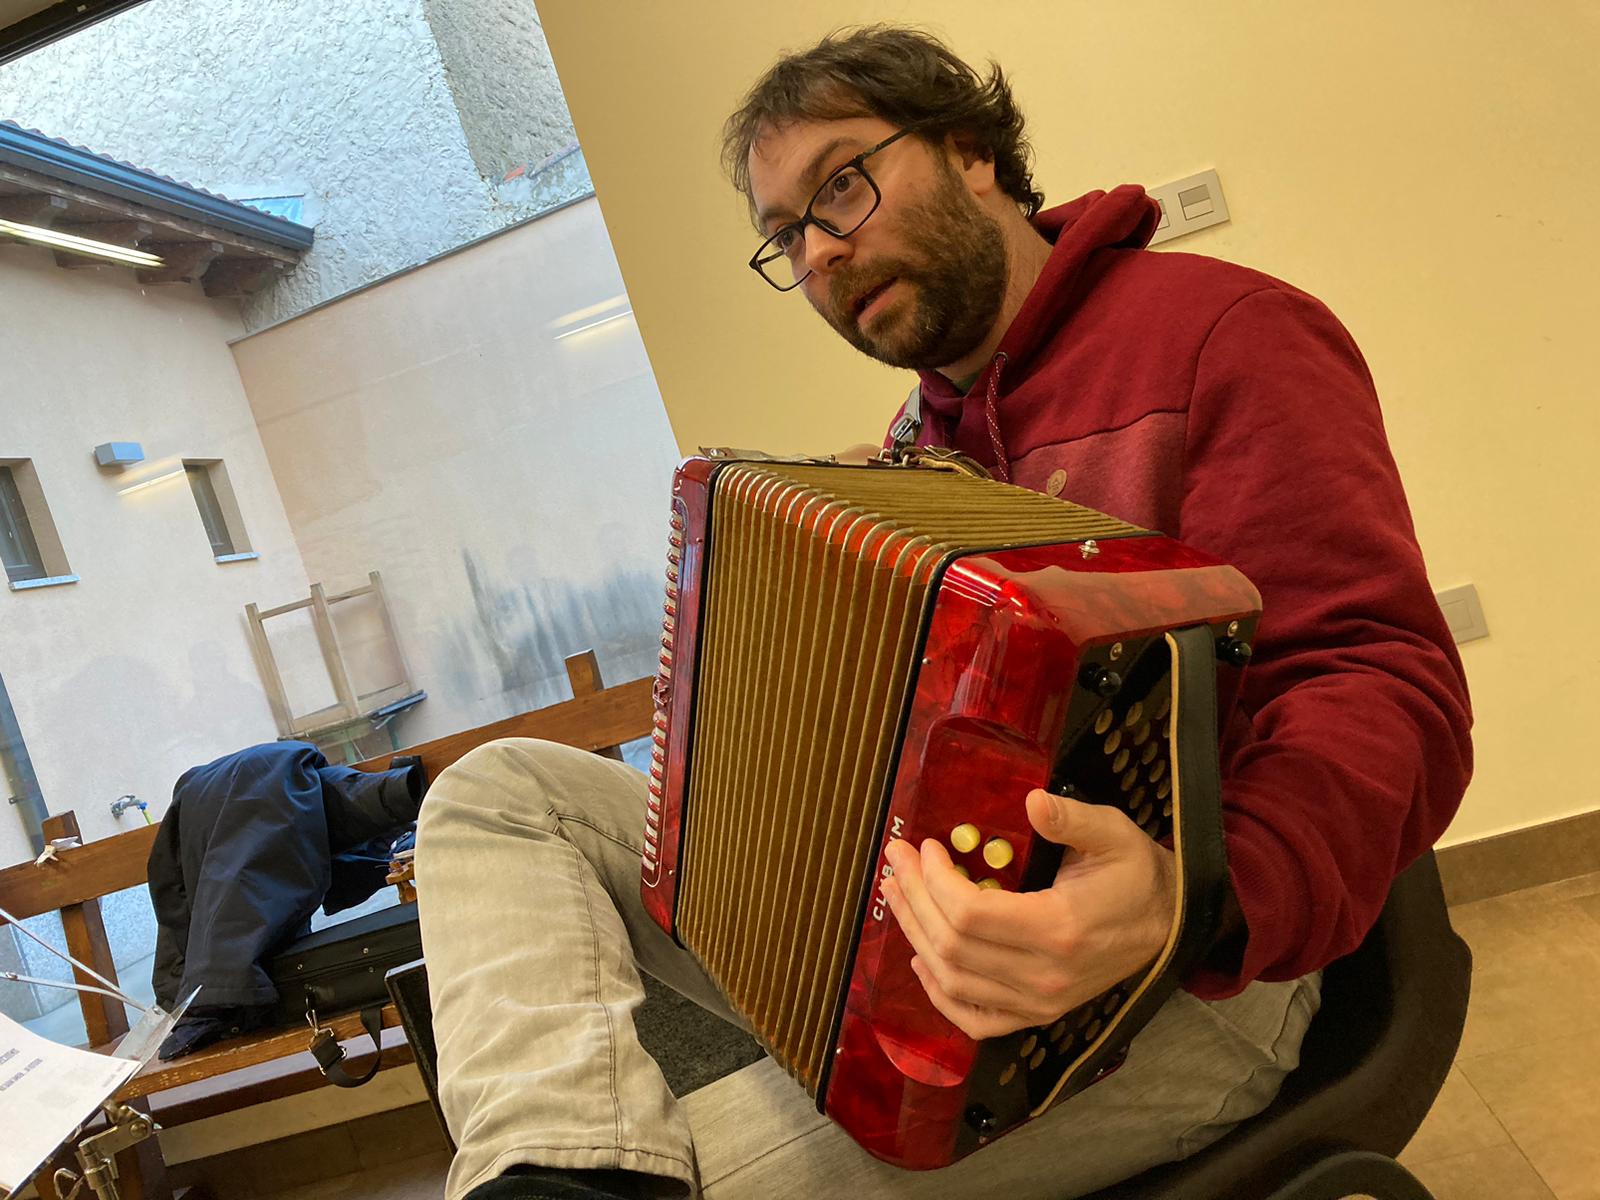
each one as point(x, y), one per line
point(815, 584)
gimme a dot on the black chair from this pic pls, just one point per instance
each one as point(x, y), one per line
point(1371, 1066)
point(1372, 1063)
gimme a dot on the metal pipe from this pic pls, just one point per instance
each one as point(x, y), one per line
point(15, 753)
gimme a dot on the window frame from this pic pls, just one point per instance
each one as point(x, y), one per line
point(21, 556)
point(218, 508)
point(29, 500)
point(204, 491)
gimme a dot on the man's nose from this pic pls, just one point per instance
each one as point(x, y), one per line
point(825, 250)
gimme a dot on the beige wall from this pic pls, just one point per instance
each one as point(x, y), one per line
point(510, 484)
point(1423, 167)
point(141, 670)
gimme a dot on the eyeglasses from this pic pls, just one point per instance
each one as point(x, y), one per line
point(840, 206)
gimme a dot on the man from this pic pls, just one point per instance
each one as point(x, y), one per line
point(891, 187)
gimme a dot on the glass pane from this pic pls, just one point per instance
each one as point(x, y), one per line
point(444, 386)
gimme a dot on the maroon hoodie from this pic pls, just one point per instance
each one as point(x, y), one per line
point(1231, 411)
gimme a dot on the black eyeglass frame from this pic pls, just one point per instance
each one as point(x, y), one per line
point(858, 163)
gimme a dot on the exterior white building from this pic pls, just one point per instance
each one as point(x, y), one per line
point(445, 386)
point(120, 619)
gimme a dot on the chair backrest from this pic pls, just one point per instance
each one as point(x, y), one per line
point(1393, 1011)
point(1371, 1065)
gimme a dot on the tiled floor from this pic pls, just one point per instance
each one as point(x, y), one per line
point(1519, 1116)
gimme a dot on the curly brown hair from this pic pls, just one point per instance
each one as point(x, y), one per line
point(904, 75)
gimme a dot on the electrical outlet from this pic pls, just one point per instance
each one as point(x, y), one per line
point(1463, 613)
point(1187, 205)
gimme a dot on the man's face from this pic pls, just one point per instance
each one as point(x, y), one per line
point(921, 283)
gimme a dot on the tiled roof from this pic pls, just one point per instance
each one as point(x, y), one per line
point(145, 171)
point(62, 161)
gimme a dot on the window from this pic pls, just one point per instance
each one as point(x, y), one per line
point(219, 511)
point(18, 546)
point(29, 546)
point(205, 497)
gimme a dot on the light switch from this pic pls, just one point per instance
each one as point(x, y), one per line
point(1197, 202)
point(1187, 205)
point(1463, 613)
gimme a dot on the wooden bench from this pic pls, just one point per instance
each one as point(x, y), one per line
point(275, 1063)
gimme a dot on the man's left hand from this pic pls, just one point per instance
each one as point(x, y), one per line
point(994, 961)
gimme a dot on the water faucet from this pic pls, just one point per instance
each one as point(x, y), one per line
point(123, 803)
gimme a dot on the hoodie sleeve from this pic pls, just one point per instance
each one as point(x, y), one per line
point(1350, 751)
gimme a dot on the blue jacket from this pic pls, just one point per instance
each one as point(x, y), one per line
point(250, 846)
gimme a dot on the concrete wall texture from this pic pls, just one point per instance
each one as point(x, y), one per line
point(506, 91)
point(397, 141)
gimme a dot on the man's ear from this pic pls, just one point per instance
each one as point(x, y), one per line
point(972, 162)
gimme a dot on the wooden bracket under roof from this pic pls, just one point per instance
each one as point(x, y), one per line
point(225, 261)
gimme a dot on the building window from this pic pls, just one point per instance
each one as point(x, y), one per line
point(18, 546)
point(29, 546)
point(219, 510)
point(205, 498)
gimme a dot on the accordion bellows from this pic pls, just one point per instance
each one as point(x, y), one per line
point(804, 672)
point(839, 643)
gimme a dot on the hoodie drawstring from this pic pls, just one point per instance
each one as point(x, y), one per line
point(1002, 465)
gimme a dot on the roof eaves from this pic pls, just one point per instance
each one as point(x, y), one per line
point(60, 160)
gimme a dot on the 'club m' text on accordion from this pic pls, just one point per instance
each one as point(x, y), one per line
point(853, 654)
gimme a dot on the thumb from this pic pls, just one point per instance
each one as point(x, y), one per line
point(1090, 829)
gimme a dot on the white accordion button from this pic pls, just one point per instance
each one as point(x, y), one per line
point(997, 853)
point(965, 838)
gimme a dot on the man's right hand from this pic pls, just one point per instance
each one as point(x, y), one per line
point(858, 454)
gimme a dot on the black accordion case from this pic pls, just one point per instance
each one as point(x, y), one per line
point(341, 968)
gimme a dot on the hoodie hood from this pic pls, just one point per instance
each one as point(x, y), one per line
point(1123, 218)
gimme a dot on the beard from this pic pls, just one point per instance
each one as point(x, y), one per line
point(955, 269)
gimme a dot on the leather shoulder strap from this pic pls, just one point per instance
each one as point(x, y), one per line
point(325, 1048)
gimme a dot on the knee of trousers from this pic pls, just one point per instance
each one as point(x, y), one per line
point(509, 776)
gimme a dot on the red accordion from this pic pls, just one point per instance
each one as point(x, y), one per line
point(852, 654)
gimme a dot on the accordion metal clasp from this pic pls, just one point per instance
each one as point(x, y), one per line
point(941, 458)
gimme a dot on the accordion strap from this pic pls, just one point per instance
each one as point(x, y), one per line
point(1202, 860)
point(903, 433)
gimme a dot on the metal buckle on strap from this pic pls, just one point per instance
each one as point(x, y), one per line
point(904, 431)
point(325, 1047)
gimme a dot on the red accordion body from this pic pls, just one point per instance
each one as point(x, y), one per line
point(856, 654)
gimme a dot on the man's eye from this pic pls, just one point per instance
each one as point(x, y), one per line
point(787, 239)
point(844, 183)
